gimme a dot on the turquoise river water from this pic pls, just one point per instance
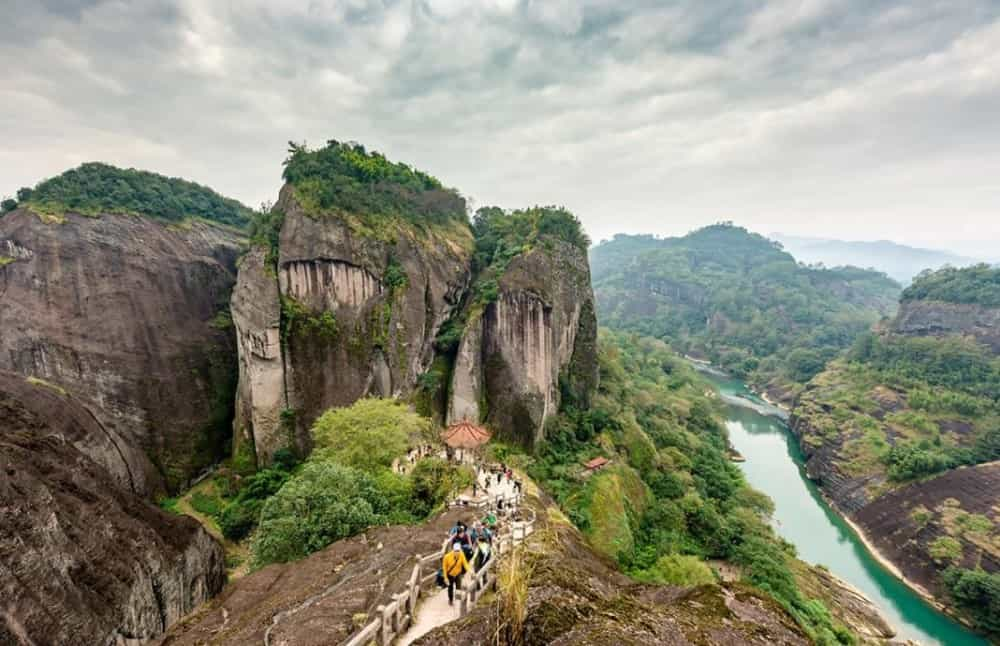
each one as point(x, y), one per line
point(774, 465)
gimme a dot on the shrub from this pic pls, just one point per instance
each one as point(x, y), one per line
point(322, 504)
point(678, 569)
point(977, 592)
point(369, 434)
point(945, 548)
point(203, 503)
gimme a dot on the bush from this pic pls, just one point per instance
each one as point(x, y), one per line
point(237, 520)
point(678, 569)
point(324, 503)
point(369, 434)
point(203, 503)
point(977, 592)
point(945, 548)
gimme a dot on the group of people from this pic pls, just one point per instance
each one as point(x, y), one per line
point(468, 549)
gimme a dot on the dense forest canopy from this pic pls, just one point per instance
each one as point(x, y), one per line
point(95, 188)
point(502, 234)
point(738, 299)
point(347, 177)
point(977, 285)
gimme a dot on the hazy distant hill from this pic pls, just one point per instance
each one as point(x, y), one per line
point(899, 261)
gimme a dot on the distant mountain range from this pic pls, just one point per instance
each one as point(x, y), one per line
point(900, 262)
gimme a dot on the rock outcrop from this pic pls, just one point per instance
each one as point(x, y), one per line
point(536, 342)
point(82, 559)
point(938, 319)
point(576, 597)
point(360, 312)
point(129, 315)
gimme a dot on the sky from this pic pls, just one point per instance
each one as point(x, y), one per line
point(851, 119)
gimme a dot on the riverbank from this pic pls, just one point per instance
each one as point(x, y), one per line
point(821, 534)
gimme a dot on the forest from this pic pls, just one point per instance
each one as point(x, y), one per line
point(94, 188)
point(738, 300)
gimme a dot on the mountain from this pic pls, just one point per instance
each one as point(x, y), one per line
point(900, 262)
point(903, 435)
point(739, 300)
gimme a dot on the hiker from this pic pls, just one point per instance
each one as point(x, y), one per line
point(459, 528)
point(499, 477)
point(463, 539)
point(475, 488)
point(490, 519)
point(482, 554)
point(454, 565)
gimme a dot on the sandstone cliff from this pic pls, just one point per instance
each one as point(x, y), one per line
point(83, 560)
point(938, 319)
point(535, 342)
point(129, 314)
point(346, 313)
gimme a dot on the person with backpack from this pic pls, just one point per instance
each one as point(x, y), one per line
point(482, 553)
point(454, 565)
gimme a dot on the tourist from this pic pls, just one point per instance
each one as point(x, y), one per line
point(454, 565)
point(482, 554)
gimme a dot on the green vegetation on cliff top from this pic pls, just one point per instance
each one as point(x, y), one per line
point(346, 177)
point(94, 188)
point(737, 299)
point(670, 500)
point(978, 285)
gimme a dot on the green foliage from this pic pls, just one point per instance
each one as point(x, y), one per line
point(434, 480)
point(208, 504)
point(671, 500)
point(346, 177)
point(323, 503)
point(677, 569)
point(501, 235)
point(977, 592)
point(169, 504)
point(265, 232)
point(369, 434)
point(95, 188)
point(7, 205)
point(238, 518)
point(978, 285)
point(297, 320)
point(737, 299)
point(395, 277)
point(945, 548)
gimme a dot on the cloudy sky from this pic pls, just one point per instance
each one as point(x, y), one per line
point(857, 119)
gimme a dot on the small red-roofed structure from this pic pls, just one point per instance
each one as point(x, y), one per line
point(465, 435)
point(597, 463)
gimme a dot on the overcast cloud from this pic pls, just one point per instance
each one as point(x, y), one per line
point(857, 119)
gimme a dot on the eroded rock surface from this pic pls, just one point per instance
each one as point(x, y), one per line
point(934, 318)
point(124, 313)
point(535, 342)
point(361, 315)
point(83, 560)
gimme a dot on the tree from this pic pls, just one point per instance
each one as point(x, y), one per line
point(324, 503)
point(369, 434)
point(7, 205)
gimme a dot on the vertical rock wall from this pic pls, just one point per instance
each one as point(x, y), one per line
point(127, 314)
point(347, 332)
point(535, 341)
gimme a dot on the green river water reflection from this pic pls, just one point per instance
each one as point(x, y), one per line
point(774, 465)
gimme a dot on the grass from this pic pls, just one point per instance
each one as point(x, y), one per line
point(5, 260)
point(512, 602)
point(202, 502)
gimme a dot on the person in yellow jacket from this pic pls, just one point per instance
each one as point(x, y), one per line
point(454, 566)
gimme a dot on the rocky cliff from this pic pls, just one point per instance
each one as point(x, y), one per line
point(82, 559)
point(129, 315)
point(344, 314)
point(940, 319)
point(536, 342)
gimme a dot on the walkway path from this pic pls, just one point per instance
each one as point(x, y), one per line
point(434, 610)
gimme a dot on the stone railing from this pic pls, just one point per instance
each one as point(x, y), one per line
point(393, 619)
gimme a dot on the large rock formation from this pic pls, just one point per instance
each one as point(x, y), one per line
point(520, 353)
point(82, 559)
point(129, 315)
point(938, 319)
point(360, 312)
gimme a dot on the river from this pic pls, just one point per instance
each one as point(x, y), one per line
point(774, 465)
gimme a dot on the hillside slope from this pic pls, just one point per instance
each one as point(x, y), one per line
point(735, 298)
point(885, 428)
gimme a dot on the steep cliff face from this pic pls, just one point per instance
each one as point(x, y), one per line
point(535, 342)
point(82, 559)
point(129, 315)
point(938, 319)
point(349, 314)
